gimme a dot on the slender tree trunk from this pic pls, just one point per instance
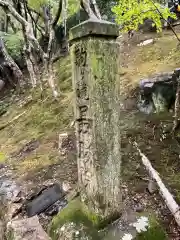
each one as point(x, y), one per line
point(30, 66)
point(96, 8)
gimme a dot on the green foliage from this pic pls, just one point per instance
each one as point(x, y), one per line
point(73, 7)
point(75, 212)
point(14, 44)
point(130, 14)
point(37, 4)
point(2, 157)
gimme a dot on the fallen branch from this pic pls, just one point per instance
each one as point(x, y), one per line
point(170, 202)
point(11, 121)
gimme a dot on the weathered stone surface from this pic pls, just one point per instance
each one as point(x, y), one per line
point(9, 189)
point(90, 28)
point(45, 200)
point(152, 186)
point(97, 114)
point(12, 208)
point(26, 229)
point(157, 94)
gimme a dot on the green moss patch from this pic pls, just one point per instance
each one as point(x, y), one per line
point(78, 213)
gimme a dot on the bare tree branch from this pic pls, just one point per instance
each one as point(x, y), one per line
point(7, 6)
point(172, 29)
point(56, 19)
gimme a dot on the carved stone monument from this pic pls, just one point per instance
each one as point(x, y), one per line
point(95, 55)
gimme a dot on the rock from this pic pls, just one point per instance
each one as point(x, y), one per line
point(66, 186)
point(9, 190)
point(56, 207)
point(139, 208)
point(46, 199)
point(152, 186)
point(26, 229)
point(158, 93)
point(146, 42)
point(160, 103)
point(146, 106)
point(12, 208)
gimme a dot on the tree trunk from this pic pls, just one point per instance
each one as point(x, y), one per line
point(31, 66)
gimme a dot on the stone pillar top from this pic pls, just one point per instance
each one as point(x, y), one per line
point(94, 28)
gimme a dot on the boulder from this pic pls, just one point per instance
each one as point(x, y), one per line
point(158, 93)
point(26, 229)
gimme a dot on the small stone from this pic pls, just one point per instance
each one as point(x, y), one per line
point(139, 208)
point(66, 186)
point(146, 42)
point(27, 229)
point(9, 190)
point(152, 186)
point(12, 209)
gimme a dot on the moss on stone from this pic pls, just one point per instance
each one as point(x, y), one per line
point(78, 213)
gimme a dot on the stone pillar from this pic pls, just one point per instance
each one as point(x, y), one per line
point(95, 54)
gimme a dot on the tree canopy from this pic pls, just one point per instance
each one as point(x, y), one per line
point(131, 13)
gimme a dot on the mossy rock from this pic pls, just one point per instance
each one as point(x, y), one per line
point(77, 213)
point(155, 230)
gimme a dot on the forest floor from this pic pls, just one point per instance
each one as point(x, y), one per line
point(29, 145)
